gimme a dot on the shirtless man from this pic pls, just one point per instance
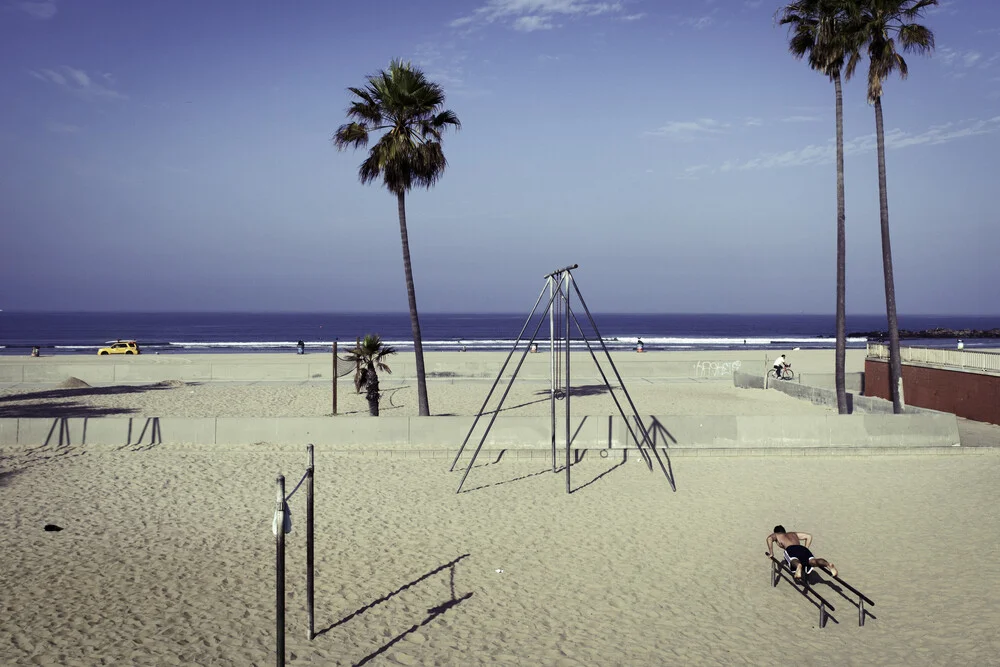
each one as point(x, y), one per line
point(797, 554)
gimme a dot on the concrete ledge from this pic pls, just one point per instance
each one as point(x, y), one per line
point(828, 397)
point(515, 433)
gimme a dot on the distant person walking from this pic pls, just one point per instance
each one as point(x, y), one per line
point(302, 347)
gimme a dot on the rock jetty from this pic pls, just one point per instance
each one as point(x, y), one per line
point(929, 333)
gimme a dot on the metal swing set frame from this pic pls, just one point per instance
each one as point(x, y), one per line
point(560, 285)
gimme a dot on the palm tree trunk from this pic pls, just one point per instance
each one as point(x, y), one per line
point(841, 354)
point(418, 342)
point(371, 393)
point(895, 366)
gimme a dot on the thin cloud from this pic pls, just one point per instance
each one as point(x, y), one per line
point(80, 83)
point(62, 128)
point(533, 23)
point(752, 4)
point(817, 154)
point(531, 15)
point(37, 9)
point(753, 122)
point(944, 7)
point(698, 22)
point(691, 173)
point(633, 17)
point(952, 58)
point(800, 119)
point(689, 130)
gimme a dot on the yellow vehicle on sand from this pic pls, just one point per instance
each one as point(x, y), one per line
point(120, 347)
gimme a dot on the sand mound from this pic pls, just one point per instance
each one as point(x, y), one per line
point(73, 383)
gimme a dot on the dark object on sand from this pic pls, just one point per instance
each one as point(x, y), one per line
point(52, 528)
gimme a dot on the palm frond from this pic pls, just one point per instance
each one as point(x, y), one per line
point(916, 38)
point(917, 9)
point(351, 135)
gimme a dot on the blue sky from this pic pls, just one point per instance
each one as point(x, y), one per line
point(177, 156)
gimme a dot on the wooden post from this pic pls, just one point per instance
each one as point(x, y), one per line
point(279, 563)
point(310, 471)
point(335, 378)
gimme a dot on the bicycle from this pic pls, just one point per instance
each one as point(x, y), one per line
point(786, 373)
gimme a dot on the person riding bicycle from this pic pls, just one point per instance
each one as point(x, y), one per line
point(780, 365)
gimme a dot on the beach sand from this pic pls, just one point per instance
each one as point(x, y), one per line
point(167, 555)
point(449, 392)
point(167, 558)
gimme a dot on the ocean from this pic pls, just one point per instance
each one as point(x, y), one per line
point(166, 333)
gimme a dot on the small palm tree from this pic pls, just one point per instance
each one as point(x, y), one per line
point(817, 33)
point(367, 356)
point(884, 26)
point(403, 103)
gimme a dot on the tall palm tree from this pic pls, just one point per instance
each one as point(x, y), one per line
point(368, 357)
point(884, 26)
point(816, 32)
point(403, 103)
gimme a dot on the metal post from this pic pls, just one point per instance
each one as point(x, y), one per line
point(279, 567)
point(310, 598)
point(861, 612)
point(335, 378)
point(566, 391)
point(552, 366)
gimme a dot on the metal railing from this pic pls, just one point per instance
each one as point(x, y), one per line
point(988, 362)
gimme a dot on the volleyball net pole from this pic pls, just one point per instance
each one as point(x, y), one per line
point(281, 525)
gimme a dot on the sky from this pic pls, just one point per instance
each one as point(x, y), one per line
point(177, 156)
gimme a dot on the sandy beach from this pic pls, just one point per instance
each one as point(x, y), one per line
point(166, 556)
point(167, 559)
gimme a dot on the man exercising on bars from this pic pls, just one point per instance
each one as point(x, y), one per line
point(797, 554)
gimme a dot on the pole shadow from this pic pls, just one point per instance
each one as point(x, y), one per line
point(371, 605)
point(659, 432)
point(603, 474)
point(152, 426)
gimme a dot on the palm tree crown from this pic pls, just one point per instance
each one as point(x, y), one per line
point(817, 32)
point(404, 103)
point(368, 356)
point(885, 25)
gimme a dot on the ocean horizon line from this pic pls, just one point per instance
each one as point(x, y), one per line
point(406, 313)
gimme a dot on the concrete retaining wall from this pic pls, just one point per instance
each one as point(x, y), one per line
point(853, 382)
point(724, 431)
point(872, 405)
